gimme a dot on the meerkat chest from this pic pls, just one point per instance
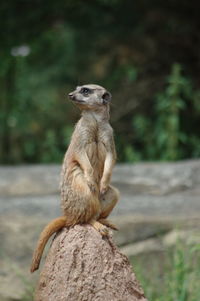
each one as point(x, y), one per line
point(104, 135)
point(96, 138)
point(96, 144)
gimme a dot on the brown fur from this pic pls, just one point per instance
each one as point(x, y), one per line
point(86, 193)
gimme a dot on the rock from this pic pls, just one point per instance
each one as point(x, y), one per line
point(162, 243)
point(15, 281)
point(83, 266)
point(182, 204)
point(18, 235)
point(147, 246)
point(156, 198)
point(148, 189)
point(189, 237)
point(41, 205)
point(29, 180)
point(151, 178)
point(143, 247)
point(134, 228)
point(158, 178)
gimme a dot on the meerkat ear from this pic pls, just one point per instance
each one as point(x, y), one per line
point(106, 97)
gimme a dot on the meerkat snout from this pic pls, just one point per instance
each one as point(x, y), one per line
point(71, 96)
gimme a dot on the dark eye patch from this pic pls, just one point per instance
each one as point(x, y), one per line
point(85, 91)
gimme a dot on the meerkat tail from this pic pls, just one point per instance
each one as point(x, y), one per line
point(50, 229)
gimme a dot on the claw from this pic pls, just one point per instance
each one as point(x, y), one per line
point(103, 230)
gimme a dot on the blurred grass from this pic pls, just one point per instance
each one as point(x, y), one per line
point(171, 276)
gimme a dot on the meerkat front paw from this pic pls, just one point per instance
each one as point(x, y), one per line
point(92, 185)
point(103, 188)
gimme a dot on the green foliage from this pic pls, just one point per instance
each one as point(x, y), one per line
point(168, 108)
point(126, 46)
point(32, 114)
point(175, 280)
point(165, 135)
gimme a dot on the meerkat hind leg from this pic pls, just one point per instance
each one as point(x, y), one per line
point(108, 202)
point(107, 223)
point(99, 227)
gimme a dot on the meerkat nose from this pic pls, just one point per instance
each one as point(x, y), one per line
point(70, 95)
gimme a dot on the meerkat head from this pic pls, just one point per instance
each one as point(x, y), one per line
point(90, 97)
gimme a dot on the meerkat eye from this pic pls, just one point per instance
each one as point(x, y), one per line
point(85, 91)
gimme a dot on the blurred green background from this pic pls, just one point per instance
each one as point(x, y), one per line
point(146, 53)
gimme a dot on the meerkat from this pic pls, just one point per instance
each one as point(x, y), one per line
point(86, 194)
